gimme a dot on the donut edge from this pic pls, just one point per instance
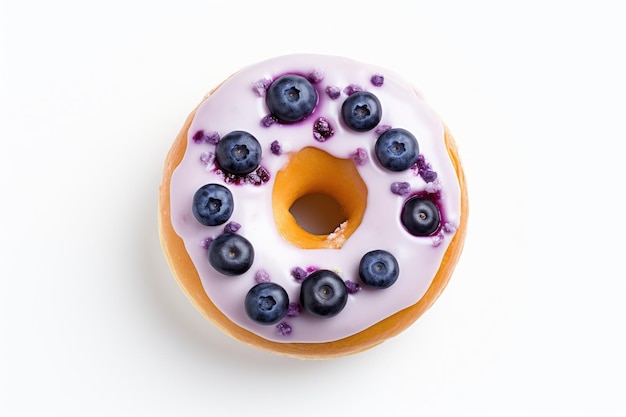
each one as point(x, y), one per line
point(189, 281)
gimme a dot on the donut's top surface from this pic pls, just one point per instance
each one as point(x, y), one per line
point(299, 159)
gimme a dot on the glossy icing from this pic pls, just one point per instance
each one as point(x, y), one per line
point(239, 105)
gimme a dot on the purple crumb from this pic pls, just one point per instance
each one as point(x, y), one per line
point(377, 80)
point(359, 156)
point(449, 228)
point(333, 92)
point(316, 75)
point(380, 129)
point(400, 188)
point(212, 138)
point(261, 276)
point(425, 170)
point(421, 163)
point(352, 88)
point(311, 269)
point(428, 175)
point(275, 148)
point(201, 137)
point(232, 227)
point(206, 243)
point(258, 177)
point(283, 329)
point(322, 130)
point(207, 158)
point(438, 239)
point(268, 120)
point(294, 309)
point(198, 137)
point(299, 274)
point(352, 287)
point(260, 86)
point(263, 174)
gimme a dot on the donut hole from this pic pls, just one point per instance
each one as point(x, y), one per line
point(318, 200)
point(317, 213)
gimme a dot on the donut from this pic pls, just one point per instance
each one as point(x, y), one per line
point(313, 206)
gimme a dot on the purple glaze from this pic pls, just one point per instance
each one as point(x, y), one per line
point(403, 107)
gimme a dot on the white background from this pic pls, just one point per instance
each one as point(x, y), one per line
point(92, 95)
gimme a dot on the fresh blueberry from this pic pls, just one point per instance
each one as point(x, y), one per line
point(361, 111)
point(323, 294)
point(266, 303)
point(291, 98)
point(238, 152)
point(396, 149)
point(231, 254)
point(420, 216)
point(378, 269)
point(212, 204)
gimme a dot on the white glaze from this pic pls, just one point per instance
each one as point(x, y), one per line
point(236, 106)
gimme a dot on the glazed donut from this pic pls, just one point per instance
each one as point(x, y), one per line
point(313, 206)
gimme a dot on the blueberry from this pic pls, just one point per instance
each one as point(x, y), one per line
point(238, 152)
point(378, 269)
point(266, 303)
point(291, 98)
point(231, 254)
point(396, 149)
point(420, 216)
point(323, 294)
point(212, 204)
point(361, 111)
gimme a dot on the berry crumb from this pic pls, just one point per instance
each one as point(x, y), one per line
point(268, 120)
point(333, 92)
point(377, 80)
point(380, 129)
point(352, 88)
point(261, 276)
point(283, 329)
point(359, 156)
point(400, 188)
point(232, 227)
point(260, 86)
point(207, 158)
point(294, 310)
point(299, 274)
point(316, 75)
point(275, 148)
point(322, 130)
point(205, 243)
point(352, 287)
